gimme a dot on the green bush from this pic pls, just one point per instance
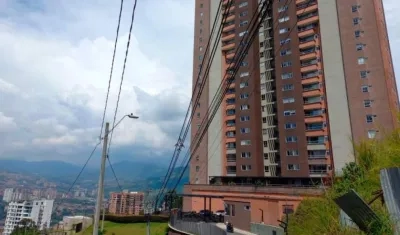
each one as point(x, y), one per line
point(321, 215)
point(135, 218)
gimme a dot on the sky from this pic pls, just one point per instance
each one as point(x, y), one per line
point(54, 68)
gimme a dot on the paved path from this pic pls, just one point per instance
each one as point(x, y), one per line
point(236, 230)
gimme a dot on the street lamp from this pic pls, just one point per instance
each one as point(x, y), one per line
point(102, 172)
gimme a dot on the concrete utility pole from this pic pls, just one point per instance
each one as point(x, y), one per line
point(104, 213)
point(101, 182)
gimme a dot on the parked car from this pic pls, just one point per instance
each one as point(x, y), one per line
point(205, 212)
point(220, 212)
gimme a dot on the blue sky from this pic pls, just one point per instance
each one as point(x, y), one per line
point(54, 67)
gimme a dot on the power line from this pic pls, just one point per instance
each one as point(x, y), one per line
point(290, 31)
point(112, 67)
point(120, 85)
point(228, 82)
point(115, 175)
point(183, 138)
point(251, 93)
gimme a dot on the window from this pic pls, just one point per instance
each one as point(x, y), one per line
point(200, 57)
point(371, 134)
point(357, 33)
point(243, 23)
point(286, 64)
point(200, 39)
point(290, 125)
point(201, 22)
point(243, 84)
point(282, 9)
point(246, 155)
point(201, 14)
point(286, 52)
point(244, 74)
point(283, 19)
point(293, 167)
point(201, 31)
point(285, 41)
point(201, 5)
point(244, 96)
point(365, 88)
point(245, 130)
point(289, 112)
point(245, 142)
point(200, 48)
point(292, 153)
point(244, 63)
point(266, 168)
point(246, 208)
point(288, 209)
point(287, 75)
point(356, 21)
point(197, 157)
point(244, 13)
point(363, 74)
point(284, 30)
point(288, 100)
point(287, 87)
point(246, 167)
point(360, 46)
point(370, 118)
point(354, 8)
point(243, 4)
point(198, 126)
point(362, 60)
point(291, 139)
point(241, 34)
point(367, 103)
point(197, 168)
point(244, 107)
point(198, 115)
point(244, 118)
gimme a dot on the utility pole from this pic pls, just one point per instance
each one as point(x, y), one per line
point(104, 211)
point(101, 182)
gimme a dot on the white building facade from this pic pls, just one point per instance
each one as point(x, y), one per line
point(39, 211)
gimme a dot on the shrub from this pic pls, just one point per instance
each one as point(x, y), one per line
point(135, 218)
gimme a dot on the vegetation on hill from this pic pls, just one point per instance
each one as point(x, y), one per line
point(321, 216)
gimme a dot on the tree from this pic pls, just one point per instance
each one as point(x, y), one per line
point(25, 227)
point(173, 200)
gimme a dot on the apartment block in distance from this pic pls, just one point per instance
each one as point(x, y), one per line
point(318, 76)
point(126, 203)
point(38, 211)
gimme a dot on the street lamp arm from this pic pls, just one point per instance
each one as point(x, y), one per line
point(127, 115)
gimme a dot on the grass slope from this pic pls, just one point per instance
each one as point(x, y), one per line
point(127, 229)
point(321, 216)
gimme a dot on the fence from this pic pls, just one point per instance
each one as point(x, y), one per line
point(195, 227)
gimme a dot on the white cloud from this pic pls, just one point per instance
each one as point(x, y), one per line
point(7, 123)
point(64, 74)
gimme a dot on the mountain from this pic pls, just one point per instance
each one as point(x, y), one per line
point(139, 174)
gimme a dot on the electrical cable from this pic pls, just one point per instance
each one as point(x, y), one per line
point(120, 86)
point(112, 67)
point(228, 81)
point(295, 24)
point(251, 93)
point(182, 139)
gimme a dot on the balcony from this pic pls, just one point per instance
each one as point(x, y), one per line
point(316, 140)
point(231, 170)
point(304, 4)
point(228, 36)
point(308, 53)
point(229, 26)
point(230, 110)
point(317, 126)
point(308, 18)
point(307, 8)
point(228, 47)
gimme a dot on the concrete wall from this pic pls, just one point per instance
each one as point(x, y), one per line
point(263, 229)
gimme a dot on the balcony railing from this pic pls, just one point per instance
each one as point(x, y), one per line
point(307, 39)
point(310, 75)
point(315, 142)
point(308, 63)
point(309, 15)
point(305, 5)
point(311, 157)
point(318, 171)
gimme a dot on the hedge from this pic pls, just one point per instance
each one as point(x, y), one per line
point(135, 218)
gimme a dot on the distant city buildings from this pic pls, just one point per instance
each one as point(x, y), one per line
point(38, 211)
point(126, 203)
point(18, 194)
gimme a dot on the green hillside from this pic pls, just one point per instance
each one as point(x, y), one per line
point(321, 216)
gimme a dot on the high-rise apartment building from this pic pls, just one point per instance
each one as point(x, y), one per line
point(318, 76)
point(126, 203)
point(38, 211)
